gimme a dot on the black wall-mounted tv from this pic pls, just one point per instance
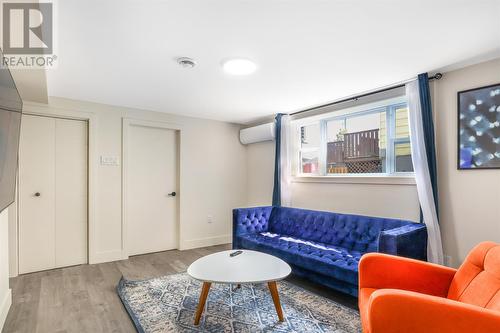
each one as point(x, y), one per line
point(10, 125)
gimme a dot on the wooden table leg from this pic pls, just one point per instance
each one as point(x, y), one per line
point(201, 304)
point(276, 299)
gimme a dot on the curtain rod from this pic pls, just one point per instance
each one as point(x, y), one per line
point(437, 76)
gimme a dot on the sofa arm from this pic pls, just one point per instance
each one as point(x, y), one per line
point(382, 271)
point(391, 311)
point(249, 221)
point(407, 241)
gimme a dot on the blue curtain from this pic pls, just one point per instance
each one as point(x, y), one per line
point(428, 124)
point(277, 163)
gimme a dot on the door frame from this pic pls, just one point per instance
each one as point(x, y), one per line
point(43, 110)
point(126, 124)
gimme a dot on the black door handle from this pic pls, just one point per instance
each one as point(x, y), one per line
point(173, 194)
point(37, 194)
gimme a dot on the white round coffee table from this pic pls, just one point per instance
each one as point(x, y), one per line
point(247, 267)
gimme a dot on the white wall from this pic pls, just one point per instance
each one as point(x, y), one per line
point(31, 84)
point(5, 293)
point(397, 201)
point(212, 176)
point(469, 199)
point(260, 173)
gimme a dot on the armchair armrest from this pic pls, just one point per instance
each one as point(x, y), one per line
point(383, 271)
point(408, 241)
point(249, 221)
point(391, 311)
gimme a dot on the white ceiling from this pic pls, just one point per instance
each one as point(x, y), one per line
point(309, 52)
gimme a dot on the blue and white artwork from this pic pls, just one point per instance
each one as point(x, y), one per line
point(479, 128)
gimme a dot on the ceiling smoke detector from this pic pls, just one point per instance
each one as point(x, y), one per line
point(186, 62)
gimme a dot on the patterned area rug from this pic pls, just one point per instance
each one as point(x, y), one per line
point(168, 303)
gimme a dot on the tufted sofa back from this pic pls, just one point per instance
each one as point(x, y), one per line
point(353, 232)
point(477, 281)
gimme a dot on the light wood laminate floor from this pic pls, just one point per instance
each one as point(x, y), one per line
point(83, 298)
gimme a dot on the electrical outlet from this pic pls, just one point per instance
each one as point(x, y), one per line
point(447, 260)
point(210, 218)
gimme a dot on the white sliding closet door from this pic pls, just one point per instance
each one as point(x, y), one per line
point(36, 194)
point(71, 192)
point(52, 193)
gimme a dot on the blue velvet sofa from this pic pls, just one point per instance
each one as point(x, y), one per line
point(325, 247)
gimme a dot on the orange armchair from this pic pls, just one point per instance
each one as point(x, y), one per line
point(405, 295)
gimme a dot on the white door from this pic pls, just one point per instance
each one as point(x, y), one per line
point(151, 179)
point(52, 193)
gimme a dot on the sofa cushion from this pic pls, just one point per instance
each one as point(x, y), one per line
point(352, 232)
point(322, 258)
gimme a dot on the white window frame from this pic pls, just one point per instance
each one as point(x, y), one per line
point(388, 177)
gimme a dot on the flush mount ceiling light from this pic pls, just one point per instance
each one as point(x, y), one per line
point(239, 66)
point(186, 62)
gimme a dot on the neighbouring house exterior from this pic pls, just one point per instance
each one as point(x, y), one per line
point(365, 151)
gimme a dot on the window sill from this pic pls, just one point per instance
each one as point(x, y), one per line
point(406, 179)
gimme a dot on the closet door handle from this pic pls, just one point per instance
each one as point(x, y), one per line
point(37, 194)
point(173, 194)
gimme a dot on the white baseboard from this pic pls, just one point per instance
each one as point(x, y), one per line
point(107, 256)
point(4, 307)
point(207, 241)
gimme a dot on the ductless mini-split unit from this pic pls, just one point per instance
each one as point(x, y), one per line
point(265, 132)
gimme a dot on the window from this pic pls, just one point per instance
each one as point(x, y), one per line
point(309, 148)
point(369, 140)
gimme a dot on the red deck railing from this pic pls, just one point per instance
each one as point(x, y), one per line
point(362, 145)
